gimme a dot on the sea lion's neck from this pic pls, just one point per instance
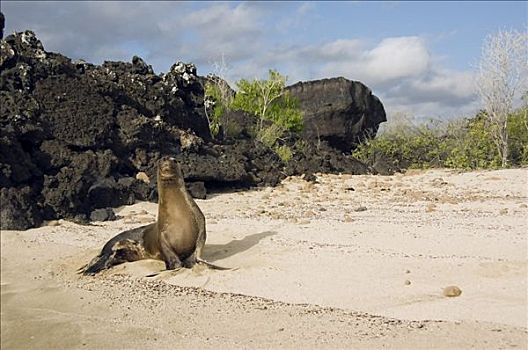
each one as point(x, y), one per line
point(169, 195)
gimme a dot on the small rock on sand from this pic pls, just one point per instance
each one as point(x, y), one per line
point(451, 291)
point(143, 177)
point(347, 218)
point(430, 208)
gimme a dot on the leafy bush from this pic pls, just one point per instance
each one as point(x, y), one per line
point(270, 134)
point(471, 146)
point(213, 97)
point(270, 104)
point(465, 144)
point(518, 137)
point(284, 152)
point(407, 146)
point(277, 113)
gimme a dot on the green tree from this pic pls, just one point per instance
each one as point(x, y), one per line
point(518, 136)
point(218, 99)
point(276, 112)
point(471, 144)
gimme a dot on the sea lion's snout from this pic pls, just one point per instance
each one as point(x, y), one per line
point(169, 167)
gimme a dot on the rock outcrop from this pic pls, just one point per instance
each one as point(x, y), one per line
point(2, 25)
point(339, 111)
point(78, 139)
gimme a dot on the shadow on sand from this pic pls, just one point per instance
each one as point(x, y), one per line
point(222, 251)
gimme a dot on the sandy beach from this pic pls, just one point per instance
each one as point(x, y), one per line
point(348, 262)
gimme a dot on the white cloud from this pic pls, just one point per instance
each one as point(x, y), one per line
point(306, 7)
point(401, 71)
point(222, 22)
point(298, 17)
point(396, 58)
point(253, 37)
point(222, 29)
point(339, 50)
point(446, 85)
point(390, 60)
point(85, 29)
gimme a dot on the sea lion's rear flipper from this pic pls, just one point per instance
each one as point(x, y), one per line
point(98, 264)
point(118, 252)
point(163, 273)
point(81, 269)
point(215, 267)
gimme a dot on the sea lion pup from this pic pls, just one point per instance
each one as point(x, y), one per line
point(177, 237)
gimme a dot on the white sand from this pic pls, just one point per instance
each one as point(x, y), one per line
point(319, 266)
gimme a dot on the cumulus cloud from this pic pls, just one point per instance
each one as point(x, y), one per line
point(163, 33)
point(253, 37)
point(396, 58)
point(400, 70)
point(441, 86)
point(232, 31)
point(390, 60)
point(88, 29)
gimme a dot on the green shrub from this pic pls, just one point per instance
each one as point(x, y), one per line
point(214, 96)
point(472, 146)
point(270, 134)
point(277, 113)
point(284, 152)
point(267, 101)
point(463, 144)
point(218, 97)
point(405, 147)
point(518, 137)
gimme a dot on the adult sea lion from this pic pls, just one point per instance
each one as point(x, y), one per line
point(177, 237)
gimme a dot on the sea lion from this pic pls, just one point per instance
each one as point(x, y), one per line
point(177, 237)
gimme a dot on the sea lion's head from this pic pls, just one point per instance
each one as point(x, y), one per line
point(169, 171)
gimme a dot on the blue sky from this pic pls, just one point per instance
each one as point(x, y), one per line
point(418, 57)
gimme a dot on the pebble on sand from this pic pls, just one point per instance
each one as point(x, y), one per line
point(452, 291)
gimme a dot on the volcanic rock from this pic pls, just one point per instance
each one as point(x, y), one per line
point(339, 111)
point(106, 214)
point(197, 189)
point(19, 209)
point(75, 135)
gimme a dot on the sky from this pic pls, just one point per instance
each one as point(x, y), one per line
point(419, 58)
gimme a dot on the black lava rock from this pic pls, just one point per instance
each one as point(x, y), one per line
point(197, 190)
point(74, 135)
point(339, 111)
point(105, 214)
